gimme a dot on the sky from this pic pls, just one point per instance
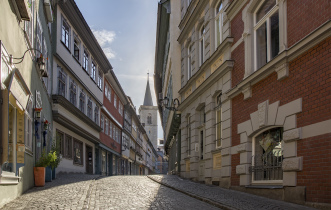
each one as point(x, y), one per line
point(126, 31)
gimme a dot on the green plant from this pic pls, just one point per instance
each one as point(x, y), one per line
point(56, 151)
point(44, 160)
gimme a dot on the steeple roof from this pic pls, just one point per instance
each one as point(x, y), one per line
point(148, 95)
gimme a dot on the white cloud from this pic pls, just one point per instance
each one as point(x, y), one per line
point(105, 38)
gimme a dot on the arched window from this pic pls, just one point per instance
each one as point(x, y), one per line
point(202, 44)
point(219, 23)
point(267, 155)
point(149, 119)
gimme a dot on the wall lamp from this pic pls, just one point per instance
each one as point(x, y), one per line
point(40, 61)
point(174, 103)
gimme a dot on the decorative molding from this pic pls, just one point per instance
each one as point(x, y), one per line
point(292, 164)
point(292, 135)
point(217, 63)
point(263, 113)
point(282, 71)
point(242, 169)
point(247, 91)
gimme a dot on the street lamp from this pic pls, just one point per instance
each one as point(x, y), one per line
point(40, 61)
point(174, 103)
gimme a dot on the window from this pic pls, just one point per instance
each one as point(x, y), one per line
point(82, 101)
point(65, 36)
point(218, 123)
point(76, 47)
point(45, 55)
point(267, 155)
point(190, 62)
point(149, 118)
point(202, 148)
point(62, 82)
point(266, 31)
point(107, 92)
point(93, 71)
point(188, 128)
point(96, 114)
point(73, 92)
point(100, 79)
point(28, 25)
point(39, 38)
point(111, 129)
point(101, 122)
point(202, 116)
point(89, 108)
point(78, 152)
point(161, 142)
point(116, 134)
point(120, 108)
point(106, 126)
point(85, 61)
point(66, 144)
point(202, 45)
point(115, 101)
point(219, 23)
point(114, 131)
point(28, 124)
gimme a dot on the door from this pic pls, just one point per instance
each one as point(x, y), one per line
point(89, 160)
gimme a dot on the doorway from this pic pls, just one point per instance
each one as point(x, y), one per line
point(89, 160)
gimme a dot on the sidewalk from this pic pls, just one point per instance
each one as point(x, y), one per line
point(220, 197)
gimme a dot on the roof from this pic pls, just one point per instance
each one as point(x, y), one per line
point(148, 95)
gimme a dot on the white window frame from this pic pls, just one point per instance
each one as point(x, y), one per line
point(73, 90)
point(102, 117)
point(219, 21)
point(67, 32)
point(257, 25)
point(100, 75)
point(76, 47)
point(93, 70)
point(82, 102)
point(62, 78)
point(86, 60)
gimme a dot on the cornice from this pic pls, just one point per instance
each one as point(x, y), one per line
point(58, 99)
point(189, 24)
point(57, 117)
point(220, 49)
point(282, 59)
point(221, 71)
point(77, 20)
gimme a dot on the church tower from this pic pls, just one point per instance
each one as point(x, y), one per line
point(148, 115)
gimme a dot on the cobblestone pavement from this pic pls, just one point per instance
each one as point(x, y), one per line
point(78, 191)
point(226, 198)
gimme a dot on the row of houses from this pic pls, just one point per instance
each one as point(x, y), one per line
point(57, 85)
point(244, 95)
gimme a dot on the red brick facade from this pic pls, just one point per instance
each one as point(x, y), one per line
point(309, 79)
point(304, 16)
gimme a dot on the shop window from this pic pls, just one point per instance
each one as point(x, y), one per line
point(78, 152)
point(103, 162)
point(267, 156)
point(68, 147)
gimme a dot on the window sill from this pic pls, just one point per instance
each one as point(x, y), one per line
point(76, 60)
point(65, 46)
point(264, 186)
point(86, 71)
point(7, 178)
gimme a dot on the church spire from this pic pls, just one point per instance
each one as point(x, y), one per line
point(148, 95)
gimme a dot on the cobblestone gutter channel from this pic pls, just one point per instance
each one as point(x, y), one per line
point(219, 205)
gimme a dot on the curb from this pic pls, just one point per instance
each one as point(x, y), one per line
point(206, 200)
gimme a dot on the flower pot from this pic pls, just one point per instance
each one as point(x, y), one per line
point(48, 176)
point(39, 176)
point(53, 173)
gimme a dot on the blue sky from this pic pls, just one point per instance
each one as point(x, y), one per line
point(126, 31)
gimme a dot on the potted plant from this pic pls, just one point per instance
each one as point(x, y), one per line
point(50, 167)
point(39, 169)
point(56, 147)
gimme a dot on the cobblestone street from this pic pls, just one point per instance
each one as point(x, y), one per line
point(77, 191)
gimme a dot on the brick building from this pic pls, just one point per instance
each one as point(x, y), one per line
point(255, 97)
